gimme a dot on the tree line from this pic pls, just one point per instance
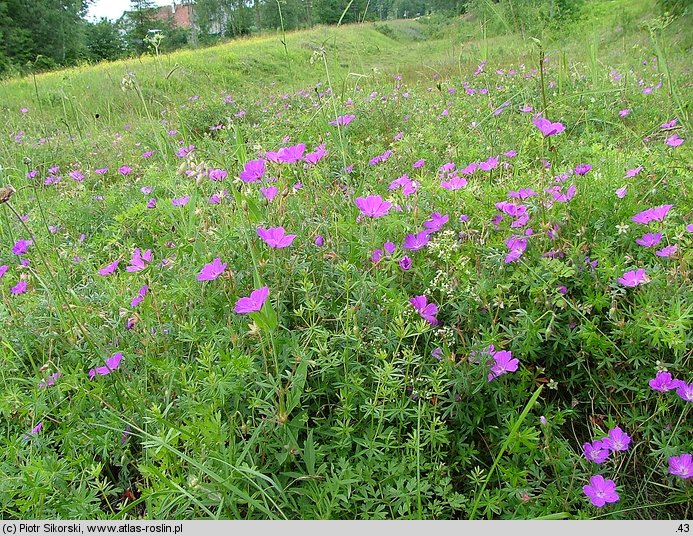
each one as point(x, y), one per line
point(38, 35)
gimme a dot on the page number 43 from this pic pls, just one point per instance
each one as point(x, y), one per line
point(682, 527)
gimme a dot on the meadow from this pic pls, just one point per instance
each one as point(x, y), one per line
point(402, 270)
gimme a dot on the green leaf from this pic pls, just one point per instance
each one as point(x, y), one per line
point(298, 383)
point(309, 452)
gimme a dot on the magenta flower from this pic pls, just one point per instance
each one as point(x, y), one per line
point(343, 120)
point(405, 263)
point(582, 169)
point(275, 237)
point(269, 193)
point(109, 268)
point(668, 124)
point(559, 196)
point(667, 251)
point(407, 185)
point(19, 288)
point(621, 192)
point(3, 270)
point(319, 241)
point(596, 452)
point(317, 155)
point(289, 155)
point(253, 170)
point(601, 491)
point(180, 201)
point(373, 206)
point(633, 172)
point(21, 247)
point(684, 390)
point(616, 440)
point(663, 382)
point(151, 203)
point(140, 296)
point(455, 183)
point(415, 242)
point(252, 303)
point(425, 309)
point(139, 260)
point(212, 270)
point(469, 168)
point(547, 128)
point(435, 222)
point(112, 364)
point(689, 227)
point(511, 209)
point(34, 431)
point(649, 240)
point(489, 164)
point(217, 174)
point(49, 381)
point(503, 363)
point(185, 151)
point(77, 175)
point(124, 170)
point(522, 193)
point(101, 171)
point(419, 163)
point(389, 248)
point(625, 112)
point(516, 246)
point(652, 214)
point(681, 466)
point(376, 256)
point(634, 278)
point(674, 140)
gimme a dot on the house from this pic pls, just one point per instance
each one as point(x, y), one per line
point(179, 15)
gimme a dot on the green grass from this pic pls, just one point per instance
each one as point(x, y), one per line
point(337, 400)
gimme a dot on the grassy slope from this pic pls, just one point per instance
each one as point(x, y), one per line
point(248, 64)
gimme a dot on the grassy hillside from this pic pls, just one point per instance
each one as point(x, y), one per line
point(395, 270)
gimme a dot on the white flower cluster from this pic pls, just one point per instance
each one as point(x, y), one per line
point(446, 336)
point(445, 245)
point(441, 283)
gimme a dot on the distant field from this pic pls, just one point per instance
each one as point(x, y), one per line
point(405, 270)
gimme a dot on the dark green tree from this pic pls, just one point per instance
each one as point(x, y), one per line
point(103, 41)
point(41, 33)
point(139, 23)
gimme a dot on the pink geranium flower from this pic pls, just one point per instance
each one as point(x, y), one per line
point(253, 170)
point(109, 268)
point(139, 260)
point(601, 491)
point(252, 303)
point(503, 363)
point(674, 140)
point(652, 214)
point(663, 382)
point(275, 237)
point(112, 364)
point(634, 278)
point(547, 128)
point(373, 206)
point(649, 240)
point(681, 466)
point(425, 309)
point(212, 270)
